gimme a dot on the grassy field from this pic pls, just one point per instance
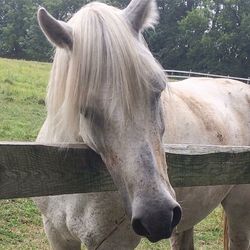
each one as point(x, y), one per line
point(22, 111)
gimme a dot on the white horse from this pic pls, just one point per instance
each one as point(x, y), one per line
point(107, 90)
point(210, 111)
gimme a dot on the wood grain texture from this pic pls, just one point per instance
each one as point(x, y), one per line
point(31, 169)
point(28, 170)
point(197, 165)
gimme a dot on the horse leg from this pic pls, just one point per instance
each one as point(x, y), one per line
point(57, 241)
point(183, 240)
point(237, 208)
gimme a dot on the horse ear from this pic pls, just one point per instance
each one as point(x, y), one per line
point(58, 33)
point(142, 14)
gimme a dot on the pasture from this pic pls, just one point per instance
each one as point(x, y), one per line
point(22, 92)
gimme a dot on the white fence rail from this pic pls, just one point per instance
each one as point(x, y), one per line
point(187, 74)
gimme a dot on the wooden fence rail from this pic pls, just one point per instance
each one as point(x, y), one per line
point(31, 169)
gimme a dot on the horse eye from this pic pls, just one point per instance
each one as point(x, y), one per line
point(94, 117)
point(161, 121)
point(87, 112)
point(154, 100)
point(162, 128)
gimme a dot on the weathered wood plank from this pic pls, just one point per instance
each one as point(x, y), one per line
point(31, 169)
point(194, 149)
point(198, 165)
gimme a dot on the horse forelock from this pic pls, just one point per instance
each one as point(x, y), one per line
point(107, 60)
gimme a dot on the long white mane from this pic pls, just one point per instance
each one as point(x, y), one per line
point(107, 59)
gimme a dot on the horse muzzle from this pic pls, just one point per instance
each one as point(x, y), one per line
point(155, 222)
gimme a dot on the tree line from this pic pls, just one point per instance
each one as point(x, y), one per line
point(198, 35)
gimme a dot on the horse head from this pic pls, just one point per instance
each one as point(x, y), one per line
point(106, 86)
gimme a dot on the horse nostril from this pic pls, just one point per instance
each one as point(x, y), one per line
point(156, 223)
point(176, 216)
point(139, 228)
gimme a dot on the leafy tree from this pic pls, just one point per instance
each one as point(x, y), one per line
point(14, 21)
point(215, 38)
point(20, 36)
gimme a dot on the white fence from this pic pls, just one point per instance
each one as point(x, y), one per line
point(178, 74)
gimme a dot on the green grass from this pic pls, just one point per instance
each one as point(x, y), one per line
point(22, 112)
point(22, 91)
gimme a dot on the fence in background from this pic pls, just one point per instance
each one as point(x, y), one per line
point(179, 74)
